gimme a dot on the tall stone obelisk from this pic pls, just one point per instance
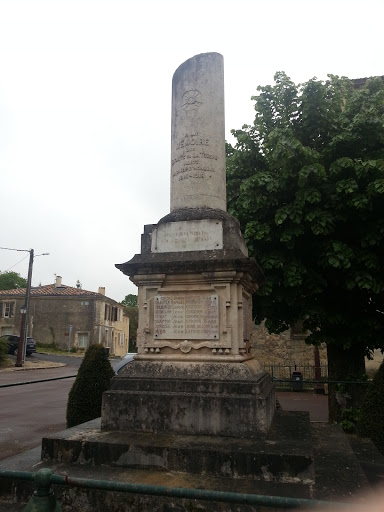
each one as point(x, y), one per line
point(195, 283)
point(198, 139)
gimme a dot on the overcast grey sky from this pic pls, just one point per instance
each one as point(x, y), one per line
point(85, 104)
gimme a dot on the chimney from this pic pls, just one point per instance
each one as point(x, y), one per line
point(102, 290)
point(58, 282)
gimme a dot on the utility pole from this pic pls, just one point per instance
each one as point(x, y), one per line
point(22, 348)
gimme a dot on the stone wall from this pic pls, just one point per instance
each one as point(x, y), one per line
point(284, 348)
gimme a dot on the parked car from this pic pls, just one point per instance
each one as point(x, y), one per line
point(13, 344)
point(128, 358)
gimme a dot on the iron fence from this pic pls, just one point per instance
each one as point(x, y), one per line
point(283, 374)
point(43, 499)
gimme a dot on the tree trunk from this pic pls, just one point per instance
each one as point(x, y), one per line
point(344, 365)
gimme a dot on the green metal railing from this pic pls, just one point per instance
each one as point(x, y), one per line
point(282, 374)
point(43, 499)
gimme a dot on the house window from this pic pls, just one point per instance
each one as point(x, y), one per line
point(83, 340)
point(84, 303)
point(121, 339)
point(8, 309)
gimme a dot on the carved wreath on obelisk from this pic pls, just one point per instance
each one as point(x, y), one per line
point(191, 100)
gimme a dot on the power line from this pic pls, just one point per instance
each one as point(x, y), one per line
point(20, 250)
point(16, 263)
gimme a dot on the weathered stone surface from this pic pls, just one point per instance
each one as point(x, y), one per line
point(284, 349)
point(195, 284)
point(226, 273)
point(198, 235)
point(296, 459)
point(233, 245)
point(194, 316)
point(223, 336)
point(285, 456)
point(231, 399)
point(338, 473)
point(198, 147)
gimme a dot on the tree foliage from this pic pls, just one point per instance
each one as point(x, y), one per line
point(93, 378)
point(133, 314)
point(371, 421)
point(306, 182)
point(130, 300)
point(11, 281)
point(3, 350)
point(131, 309)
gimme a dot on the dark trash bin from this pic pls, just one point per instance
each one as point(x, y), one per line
point(297, 381)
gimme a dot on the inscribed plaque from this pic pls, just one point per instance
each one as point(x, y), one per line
point(191, 235)
point(194, 317)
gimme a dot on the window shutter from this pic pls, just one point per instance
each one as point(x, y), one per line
point(1, 310)
point(11, 309)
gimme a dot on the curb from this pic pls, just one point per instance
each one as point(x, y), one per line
point(35, 381)
point(38, 367)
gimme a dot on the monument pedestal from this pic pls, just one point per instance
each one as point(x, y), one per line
point(210, 399)
point(194, 373)
point(194, 305)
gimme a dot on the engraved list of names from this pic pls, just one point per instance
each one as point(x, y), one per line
point(186, 316)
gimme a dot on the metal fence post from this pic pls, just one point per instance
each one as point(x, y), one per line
point(43, 499)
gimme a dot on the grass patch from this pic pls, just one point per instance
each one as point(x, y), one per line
point(6, 363)
point(50, 348)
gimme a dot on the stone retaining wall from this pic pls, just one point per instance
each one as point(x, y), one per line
point(284, 348)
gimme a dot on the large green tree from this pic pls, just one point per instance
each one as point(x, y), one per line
point(306, 182)
point(11, 281)
point(130, 300)
point(131, 309)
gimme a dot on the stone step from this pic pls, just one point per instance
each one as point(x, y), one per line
point(284, 456)
point(82, 499)
point(338, 474)
point(370, 459)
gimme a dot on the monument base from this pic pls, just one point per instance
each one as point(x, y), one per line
point(284, 456)
point(189, 398)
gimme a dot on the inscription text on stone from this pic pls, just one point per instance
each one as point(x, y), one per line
point(191, 235)
point(194, 317)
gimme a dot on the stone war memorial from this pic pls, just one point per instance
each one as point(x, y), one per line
point(194, 372)
point(195, 409)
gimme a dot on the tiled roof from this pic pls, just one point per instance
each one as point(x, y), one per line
point(52, 291)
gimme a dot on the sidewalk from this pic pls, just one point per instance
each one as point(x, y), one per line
point(31, 365)
point(316, 405)
point(38, 374)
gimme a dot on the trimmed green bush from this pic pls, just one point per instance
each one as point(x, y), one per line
point(93, 378)
point(3, 350)
point(371, 422)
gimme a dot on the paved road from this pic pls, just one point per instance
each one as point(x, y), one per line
point(31, 411)
point(68, 360)
point(73, 361)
